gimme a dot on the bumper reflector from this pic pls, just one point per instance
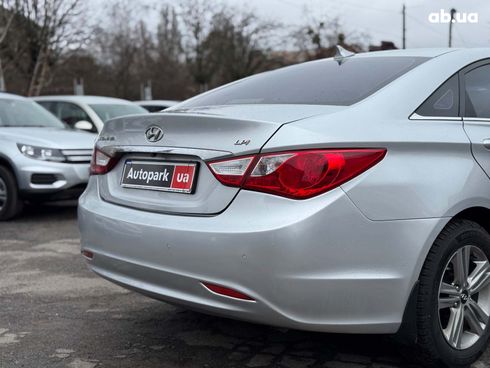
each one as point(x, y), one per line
point(221, 290)
point(88, 254)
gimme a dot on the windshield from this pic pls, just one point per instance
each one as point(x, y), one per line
point(109, 111)
point(25, 113)
point(322, 82)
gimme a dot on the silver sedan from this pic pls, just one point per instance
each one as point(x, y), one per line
point(346, 195)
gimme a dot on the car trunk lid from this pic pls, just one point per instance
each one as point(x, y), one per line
point(189, 137)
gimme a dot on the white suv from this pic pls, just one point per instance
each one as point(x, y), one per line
point(40, 157)
point(88, 112)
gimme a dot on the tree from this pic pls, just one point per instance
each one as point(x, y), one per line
point(133, 55)
point(8, 11)
point(197, 18)
point(196, 45)
point(223, 43)
point(238, 44)
point(48, 28)
point(118, 47)
point(169, 35)
point(318, 36)
point(171, 78)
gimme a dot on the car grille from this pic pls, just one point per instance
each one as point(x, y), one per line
point(78, 156)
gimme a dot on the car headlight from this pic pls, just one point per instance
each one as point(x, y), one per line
point(40, 153)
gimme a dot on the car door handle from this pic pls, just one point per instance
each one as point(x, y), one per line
point(486, 143)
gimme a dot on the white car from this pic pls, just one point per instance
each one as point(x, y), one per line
point(88, 112)
point(156, 105)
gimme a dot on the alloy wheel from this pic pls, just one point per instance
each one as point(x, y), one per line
point(464, 297)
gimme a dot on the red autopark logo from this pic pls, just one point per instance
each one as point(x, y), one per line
point(444, 16)
point(183, 177)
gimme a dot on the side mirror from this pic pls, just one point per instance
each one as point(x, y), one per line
point(83, 125)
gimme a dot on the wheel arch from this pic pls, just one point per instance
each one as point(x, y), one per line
point(4, 161)
point(478, 214)
point(408, 328)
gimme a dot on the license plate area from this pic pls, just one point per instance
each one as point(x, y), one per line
point(164, 176)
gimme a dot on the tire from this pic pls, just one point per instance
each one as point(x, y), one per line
point(10, 203)
point(438, 347)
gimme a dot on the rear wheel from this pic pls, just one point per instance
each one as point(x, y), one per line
point(10, 204)
point(453, 305)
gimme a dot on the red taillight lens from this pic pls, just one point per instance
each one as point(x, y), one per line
point(101, 163)
point(222, 290)
point(300, 174)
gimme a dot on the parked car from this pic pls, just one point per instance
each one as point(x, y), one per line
point(88, 112)
point(156, 105)
point(40, 158)
point(345, 195)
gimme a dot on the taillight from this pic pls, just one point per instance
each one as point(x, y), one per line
point(101, 163)
point(298, 174)
point(231, 172)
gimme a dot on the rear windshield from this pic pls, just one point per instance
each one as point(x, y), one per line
point(25, 113)
point(322, 82)
point(110, 111)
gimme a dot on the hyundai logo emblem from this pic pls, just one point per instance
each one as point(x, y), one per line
point(154, 134)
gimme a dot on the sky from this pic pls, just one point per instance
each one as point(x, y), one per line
point(382, 19)
point(379, 19)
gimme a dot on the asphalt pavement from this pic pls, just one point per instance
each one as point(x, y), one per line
point(55, 313)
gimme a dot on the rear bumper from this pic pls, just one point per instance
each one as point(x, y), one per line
point(317, 264)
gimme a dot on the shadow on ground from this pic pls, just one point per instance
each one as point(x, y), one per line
point(48, 211)
point(154, 334)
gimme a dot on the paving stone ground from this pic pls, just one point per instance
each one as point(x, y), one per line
point(56, 313)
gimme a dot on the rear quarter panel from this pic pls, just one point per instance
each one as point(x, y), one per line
point(428, 170)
